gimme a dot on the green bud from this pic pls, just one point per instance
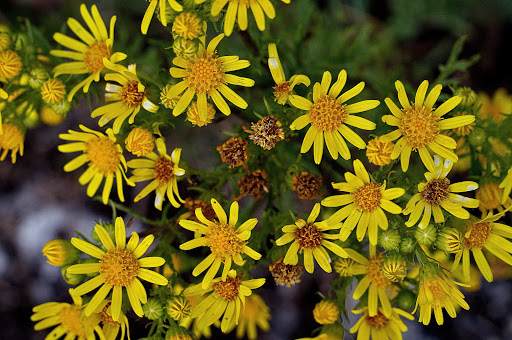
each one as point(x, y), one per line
point(426, 236)
point(394, 267)
point(36, 77)
point(450, 240)
point(72, 279)
point(61, 107)
point(406, 299)
point(185, 48)
point(178, 308)
point(110, 230)
point(153, 309)
point(477, 137)
point(407, 245)
point(390, 239)
point(333, 331)
point(60, 253)
point(467, 95)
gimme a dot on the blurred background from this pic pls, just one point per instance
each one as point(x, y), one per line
point(375, 40)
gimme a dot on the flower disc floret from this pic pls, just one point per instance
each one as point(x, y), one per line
point(119, 266)
point(229, 289)
point(309, 236)
point(103, 154)
point(204, 73)
point(436, 191)
point(327, 114)
point(419, 126)
point(94, 54)
point(367, 198)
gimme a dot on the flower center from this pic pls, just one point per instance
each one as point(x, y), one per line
point(103, 154)
point(480, 232)
point(281, 92)
point(224, 241)
point(107, 319)
point(327, 114)
point(378, 321)
point(164, 170)
point(309, 236)
point(437, 291)
point(419, 126)
point(375, 273)
point(490, 196)
point(228, 290)
point(93, 56)
point(187, 25)
point(367, 198)
point(70, 320)
point(436, 191)
point(130, 94)
point(140, 142)
point(204, 73)
point(12, 137)
point(119, 266)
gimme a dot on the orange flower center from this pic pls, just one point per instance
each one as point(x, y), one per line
point(119, 267)
point(419, 126)
point(224, 241)
point(480, 232)
point(106, 318)
point(327, 114)
point(490, 196)
point(164, 170)
point(309, 236)
point(281, 92)
point(70, 320)
point(367, 198)
point(204, 73)
point(130, 94)
point(103, 154)
point(228, 290)
point(437, 291)
point(378, 321)
point(375, 273)
point(436, 191)
point(93, 56)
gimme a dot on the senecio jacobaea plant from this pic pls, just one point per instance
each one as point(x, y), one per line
point(379, 218)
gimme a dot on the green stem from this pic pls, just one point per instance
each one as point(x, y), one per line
point(125, 209)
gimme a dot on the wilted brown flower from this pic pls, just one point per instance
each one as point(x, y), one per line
point(252, 184)
point(266, 132)
point(234, 151)
point(206, 209)
point(286, 274)
point(307, 185)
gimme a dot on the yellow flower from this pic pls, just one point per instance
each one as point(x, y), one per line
point(485, 233)
point(10, 64)
point(69, 318)
point(380, 327)
point(104, 157)
point(11, 139)
point(226, 242)
point(110, 327)
point(379, 152)
point(438, 193)
point(436, 292)
point(228, 297)
point(497, 107)
point(374, 281)
point(326, 312)
point(128, 97)
point(205, 76)
point(53, 90)
point(5, 41)
point(285, 274)
point(150, 11)
point(329, 117)
point(88, 54)
point(60, 253)
point(187, 25)
point(490, 196)
point(163, 170)
point(283, 88)
point(119, 266)
point(255, 314)
point(506, 185)
point(194, 117)
point(165, 100)
point(419, 125)
point(238, 8)
point(188, 321)
point(50, 117)
point(364, 204)
point(178, 308)
point(140, 142)
point(311, 238)
point(344, 266)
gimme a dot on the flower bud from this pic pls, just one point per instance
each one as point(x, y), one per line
point(477, 137)
point(389, 239)
point(110, 230)
point(185, 48)
point(326, 312)
point(61, 107)
point(426, 236)
point(60, 253)
point(407, 245)
point(394, 267)
point(72, 279)
point(406, 299)
point(450, 240)
point(36, 77)
point(468, 96)
point(153, 309)
point(178, 308)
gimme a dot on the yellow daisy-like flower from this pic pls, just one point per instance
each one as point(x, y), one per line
point(10, 64)
point(12, 139)
point(255, 314)
point(283, 88)
point(311, 238)
point(374, 281)
point(506, 184)
point(226, 242)
point(163, 170)
point(364, 204)
point(150, 11)
point(497, 107)
point(485, 233)
point(128, 97)
point(205, 76)
point(110, 327)
point(140, 142)
point(419, 125)
point(227, 297)
point(438, 193)
point(104, 157)
point(490, 196)
point(53, 90)
point(190, 323)
point(69, 318)
point(238, 8)
point(380, 327)
point(329, 117)
point(88, 54)
point(436, 292)
point(119, 266)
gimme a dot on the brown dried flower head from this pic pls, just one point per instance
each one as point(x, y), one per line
point(266, 132)
point(253, 184)
point(206, 209)
point(307, 185)
point(233, 151)
point(286, 274)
